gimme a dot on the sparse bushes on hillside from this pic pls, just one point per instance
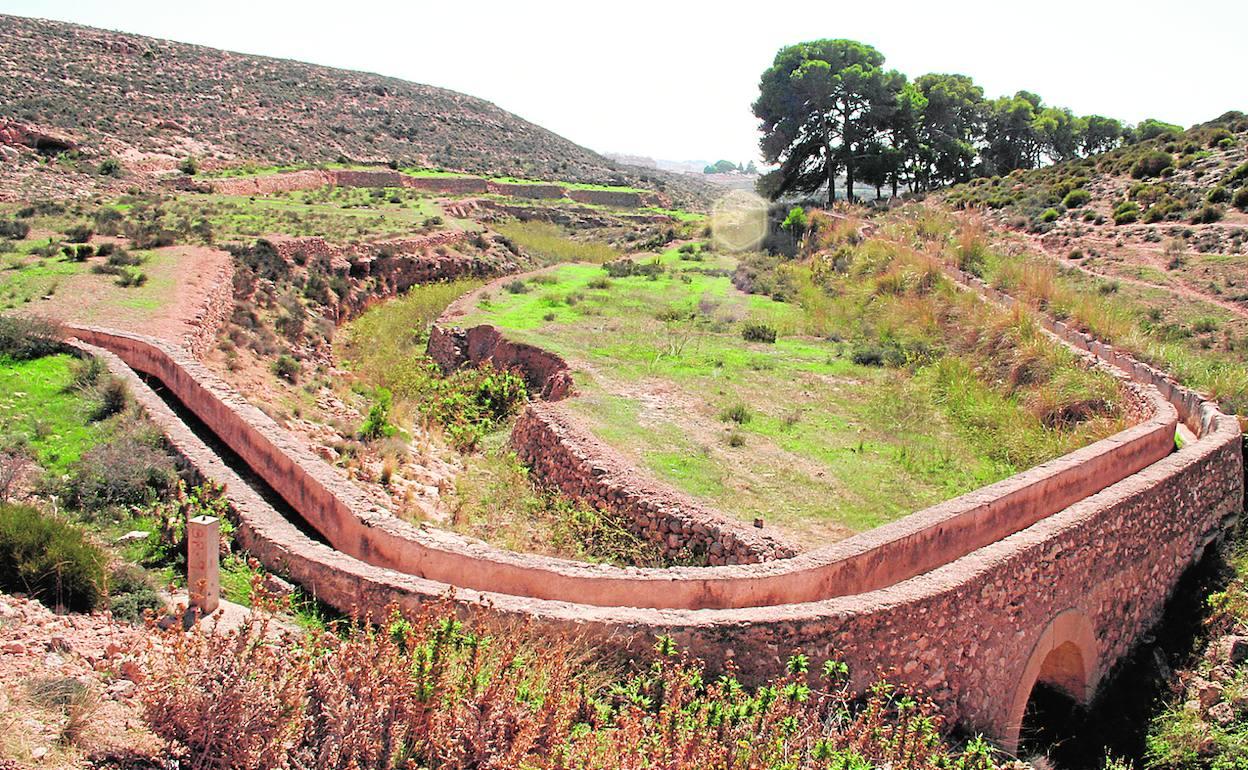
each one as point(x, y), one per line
point(1076, 198)
point(1240, 200)
point(1152, 165)
point(50, 559)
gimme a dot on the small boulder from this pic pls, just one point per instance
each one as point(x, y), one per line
point(1223, 713)
point(1208, 693)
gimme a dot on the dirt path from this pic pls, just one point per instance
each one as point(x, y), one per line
point(183, 287)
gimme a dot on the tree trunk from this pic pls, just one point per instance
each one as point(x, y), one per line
point(848, 144)
point(894, 185)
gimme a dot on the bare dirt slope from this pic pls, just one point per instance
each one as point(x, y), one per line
point(151, 103)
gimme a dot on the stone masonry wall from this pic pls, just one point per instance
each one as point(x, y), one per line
point(572, 461)
point(213, 312)
point(615, 198)
point(311, 179)
point(526, 190)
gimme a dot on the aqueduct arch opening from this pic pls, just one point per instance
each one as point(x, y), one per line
point(1064, 658)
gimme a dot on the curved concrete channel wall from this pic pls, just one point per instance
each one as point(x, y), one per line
point(879, 557)
point(964, 600)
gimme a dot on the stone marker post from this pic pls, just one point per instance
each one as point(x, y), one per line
point(203, 577)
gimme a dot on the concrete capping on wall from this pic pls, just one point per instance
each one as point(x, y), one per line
point(894, 552)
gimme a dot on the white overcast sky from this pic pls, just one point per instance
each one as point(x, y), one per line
point(674, 80)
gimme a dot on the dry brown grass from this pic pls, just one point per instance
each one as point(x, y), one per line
point(428, 692)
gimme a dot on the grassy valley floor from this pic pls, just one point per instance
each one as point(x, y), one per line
point(804, 432)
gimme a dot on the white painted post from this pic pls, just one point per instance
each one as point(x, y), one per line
point(203, 576)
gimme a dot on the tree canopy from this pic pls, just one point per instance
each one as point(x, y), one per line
point(828, 107)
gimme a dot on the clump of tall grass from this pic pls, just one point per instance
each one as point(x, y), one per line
point(549, 244)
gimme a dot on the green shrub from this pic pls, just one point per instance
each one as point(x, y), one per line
point(131, 278)
point(49, 559)
point(1076, 198)
point(758, 332)
point(1151, 165)
point(1240, 201)
point(1208, 214)
point(1126, 213)
point(377, 424)
point(23, 338)
point(13, 229)
point(623, 268)
point(130, 593)
point(111, 398)
point(472, 401)
point(869, 355)
point(120, 257)
point(738, 413)
point(189, 166)
point(516, 287)
point(1049, 215)
point(79, 233)
point(1240, 174)
point(1218, 194)
point(131, 470)
point(110, 167)
point(286, 367)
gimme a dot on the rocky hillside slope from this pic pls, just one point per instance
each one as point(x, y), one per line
point(150, 103)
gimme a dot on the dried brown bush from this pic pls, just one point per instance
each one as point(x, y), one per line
point(427, 692)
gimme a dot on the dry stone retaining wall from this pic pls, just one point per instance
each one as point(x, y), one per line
point(569, 459)
point(311, 179)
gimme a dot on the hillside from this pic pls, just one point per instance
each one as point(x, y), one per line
point(151, 103)
point(1169, 215)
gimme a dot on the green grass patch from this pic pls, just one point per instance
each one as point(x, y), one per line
point(40, 409)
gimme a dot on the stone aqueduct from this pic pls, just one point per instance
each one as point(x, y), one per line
point(1049, 576)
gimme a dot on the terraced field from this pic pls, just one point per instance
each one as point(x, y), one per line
point(665, 373)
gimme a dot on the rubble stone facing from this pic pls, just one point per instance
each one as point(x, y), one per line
point(569, 459)
point(395, 265)
point(215, 310)
point(615, 198)
point(545, 374)
point(538, 191)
